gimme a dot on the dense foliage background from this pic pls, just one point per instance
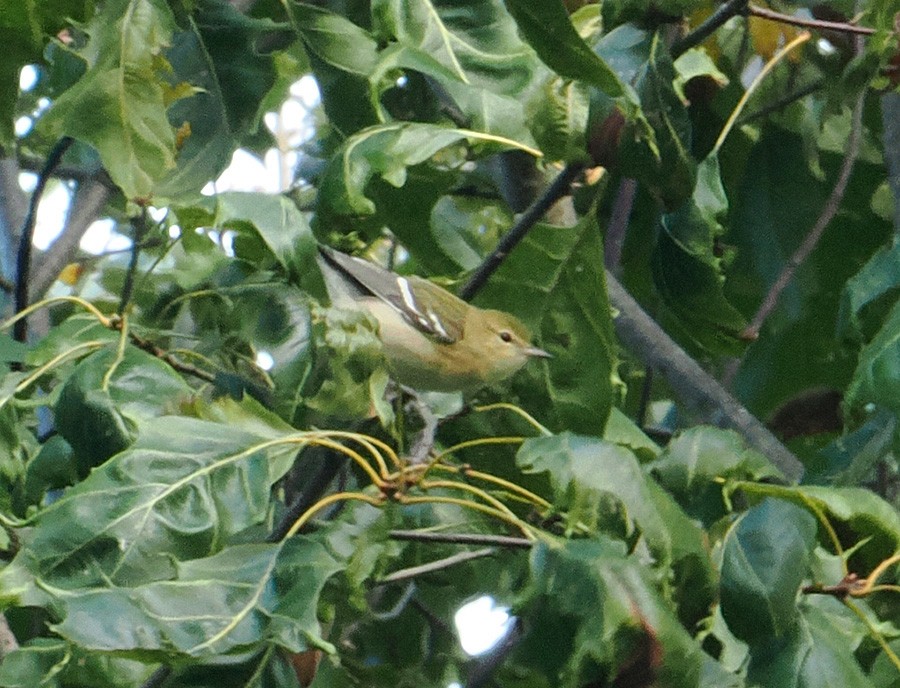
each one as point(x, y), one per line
point(203, 482)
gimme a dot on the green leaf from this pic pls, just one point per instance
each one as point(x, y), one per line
point(177, 493)
point(221, 604)
point(475, 39)
point(696, 64)
point(879, 277)
point(596, 620)
point(277, 222)
point(687, 272)
point(765, 559)
point(387, 150)
point(597, 484)
point(665, 165)
point(219, 56)
point(559, 118)
point(694, 464)
point(877, 376)
point(106, 394)
point(813, 655)
point(554, 280)
point(343, 56)
point(119, 105)
point(858, 516)
point(547, 28)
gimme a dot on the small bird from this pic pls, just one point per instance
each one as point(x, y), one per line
point(432, 339)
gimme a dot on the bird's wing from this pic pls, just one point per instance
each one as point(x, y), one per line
point(400, 292)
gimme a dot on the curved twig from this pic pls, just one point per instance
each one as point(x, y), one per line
point(23, 258)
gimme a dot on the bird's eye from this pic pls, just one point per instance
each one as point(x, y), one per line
point(506, 336)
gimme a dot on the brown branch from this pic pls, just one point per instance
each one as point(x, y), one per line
point(812, 239)
point(461, 538)
point(820, 24)
point(559, 188)
point(172, 360)
point(691, 383)
point(89, 200)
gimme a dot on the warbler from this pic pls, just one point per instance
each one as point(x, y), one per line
point(432, 339)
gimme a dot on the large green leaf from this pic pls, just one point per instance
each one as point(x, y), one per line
point(387, 150)
point(475, 39)
point(597, 485)
point(54, 663)
point(765, 559)
point(877, 376)
point(277, 222)
point(547, 28)
point(696, 461)
point(119, 105)
point(219, 57)
point(343, 57)
point(596, 620)
point(813, 655)
point(858, 516)
point(554, 280)
point(177, 493)
point(226, 603)
point(107, 394)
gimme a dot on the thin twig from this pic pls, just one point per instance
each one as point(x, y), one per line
point(782, 102)
point(559, 188)
point(139, 229)
point(461, 538)
point(439, 565)
point(822, 25)
point(730, 9)
point(809, 243)
point(170, 359)
point(23, 259)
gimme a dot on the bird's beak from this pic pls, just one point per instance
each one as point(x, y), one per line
point(537, 353)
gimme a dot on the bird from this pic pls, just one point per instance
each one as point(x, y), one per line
point(432, 339)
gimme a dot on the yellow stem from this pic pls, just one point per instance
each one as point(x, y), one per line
point(471, 489)
point(57, 299)
point(512, 487)
point(878, 572)
point(331, 499)
point(475, 506)
point(515, 409)
point(120, 355)
point(370, 443)
point(764, 72)
point(315, 438)
point(478, 442)
point(875, 634)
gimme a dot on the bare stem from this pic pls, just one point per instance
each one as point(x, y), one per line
point(812, 239)
point(461, 538)
point(772, 15)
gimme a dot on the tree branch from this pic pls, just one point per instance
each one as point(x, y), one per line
point(139, 227)
point(13, 208)
point(90, 198)
point(730, 9)
point(23, 259)
point(461, 538)
point(559, 188)
point(693, 385)
point(820, 24)
point(809, 243)
point(618, 223)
